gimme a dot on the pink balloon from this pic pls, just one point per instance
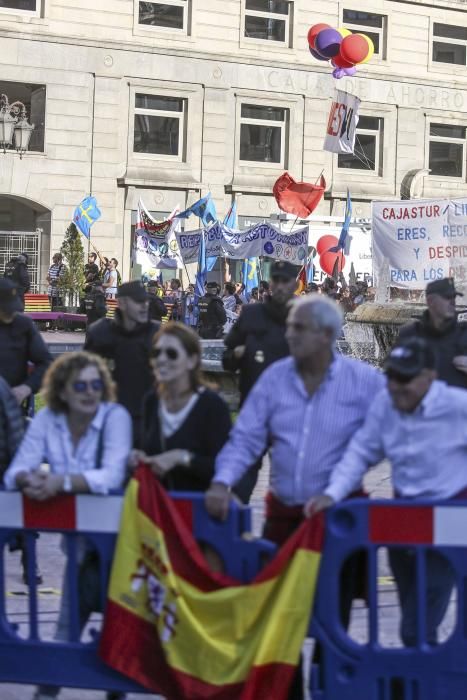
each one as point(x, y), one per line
point(326, 242)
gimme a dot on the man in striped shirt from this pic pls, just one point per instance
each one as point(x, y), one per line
point(56, 270)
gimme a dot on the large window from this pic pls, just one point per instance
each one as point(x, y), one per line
point(447, 150)
point(368, 151)
point(263, 134)
point(369, 23)
point(33, 98)
point(160, 124)
point(268, 20)
point(21, 5)
point(449, 44)
point(170, 14)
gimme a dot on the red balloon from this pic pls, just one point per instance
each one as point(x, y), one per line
point(314, 31)
point(326, 242)
point(327, 262)
point(354, 48)
point(340, 62)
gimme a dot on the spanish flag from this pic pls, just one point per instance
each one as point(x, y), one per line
point(180, 630)
point(301, 281)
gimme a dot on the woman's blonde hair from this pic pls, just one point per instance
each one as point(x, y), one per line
point(191, 344)
point(61, 371)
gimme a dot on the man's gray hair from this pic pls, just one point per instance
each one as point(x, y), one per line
point(323, 311)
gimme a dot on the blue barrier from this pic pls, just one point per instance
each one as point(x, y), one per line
point(351, 671)
point(74, 663)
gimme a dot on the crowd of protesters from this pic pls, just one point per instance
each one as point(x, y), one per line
point(136, 394)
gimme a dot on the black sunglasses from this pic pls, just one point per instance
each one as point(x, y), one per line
point(171, 353)
point(81, 386)
point(399, 378)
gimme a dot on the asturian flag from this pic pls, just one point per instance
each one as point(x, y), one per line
point(86, 214)
point(180, 630)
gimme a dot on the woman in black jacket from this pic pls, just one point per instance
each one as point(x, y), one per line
point(184, 424)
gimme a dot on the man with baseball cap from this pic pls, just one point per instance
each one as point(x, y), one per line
point(419, 424)
point(125, 341)
point(257, 340)
point(440, 328)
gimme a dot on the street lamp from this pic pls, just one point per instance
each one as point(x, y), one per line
point(14, 126)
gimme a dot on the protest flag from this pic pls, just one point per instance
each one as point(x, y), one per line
point(298, 198)
point(204, 208)
point(86, 214)
point(301, 281)
point(230, 220)
point(180, 630)
point(345, 228)
point(250, 274)
point(202, 271)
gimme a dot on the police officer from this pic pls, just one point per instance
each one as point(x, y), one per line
point(94, 302)
point(212, 316)
point(444, 333)
point(257, 340)
point(16, 270)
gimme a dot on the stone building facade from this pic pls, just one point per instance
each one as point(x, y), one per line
point(168, 100)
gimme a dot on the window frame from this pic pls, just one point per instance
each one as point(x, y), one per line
point(444, 40)
point(285, 130)
point(186, 29)
point(183, 119)
point(287, 19)
point(23, 13)
point(431, 120)
point(378, 170)
point(382, 32)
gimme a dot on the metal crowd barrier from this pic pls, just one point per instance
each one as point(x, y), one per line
point(348, 669)
point(371, 671)
point(74, 663)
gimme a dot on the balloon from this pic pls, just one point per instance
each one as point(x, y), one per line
point(354, 48)
point(350, 71)
point(343, 31)
point(327, 262)
point(313, 31)
point(371, 48)
point(339, 62)
point(326, 242)
point(328, 41)
point(338, 73)
point(316, 55)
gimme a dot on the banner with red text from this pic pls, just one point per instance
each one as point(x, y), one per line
point(418, 241)
point(342, 123)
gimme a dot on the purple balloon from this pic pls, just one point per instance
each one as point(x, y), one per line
point(316, 55)
point(338, 73)
point(328, 42)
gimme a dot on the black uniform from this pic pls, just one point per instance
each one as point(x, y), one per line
point(157, 308)
point(21, 343)
point(261, 328)
point(446, 344)
point(18, 273)
point(94, 305)
point(128, 355)
point(91, 273)
point(212, 317)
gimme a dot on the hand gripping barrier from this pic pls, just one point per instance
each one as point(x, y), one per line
point(352, 671)
point(73, 663)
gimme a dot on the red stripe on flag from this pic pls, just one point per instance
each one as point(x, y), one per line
point(401, 525)
point(185, 509)
point(131, 645)
point(185, 556)
point(55, 514)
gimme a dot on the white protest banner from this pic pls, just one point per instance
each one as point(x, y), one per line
point(418, 241)
point(155, 242)
point(342, 123)
point(259, 240)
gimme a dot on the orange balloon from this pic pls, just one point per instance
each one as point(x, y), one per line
point(314, 31)
point(354, 48)
point(326, 242)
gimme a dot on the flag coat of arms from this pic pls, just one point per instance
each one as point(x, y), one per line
point(180, 630)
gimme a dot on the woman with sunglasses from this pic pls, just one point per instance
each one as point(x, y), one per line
point(85, 439)
point(185, 424)
point(82, 435)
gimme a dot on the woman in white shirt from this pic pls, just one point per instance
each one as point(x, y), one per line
point(85, 439)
